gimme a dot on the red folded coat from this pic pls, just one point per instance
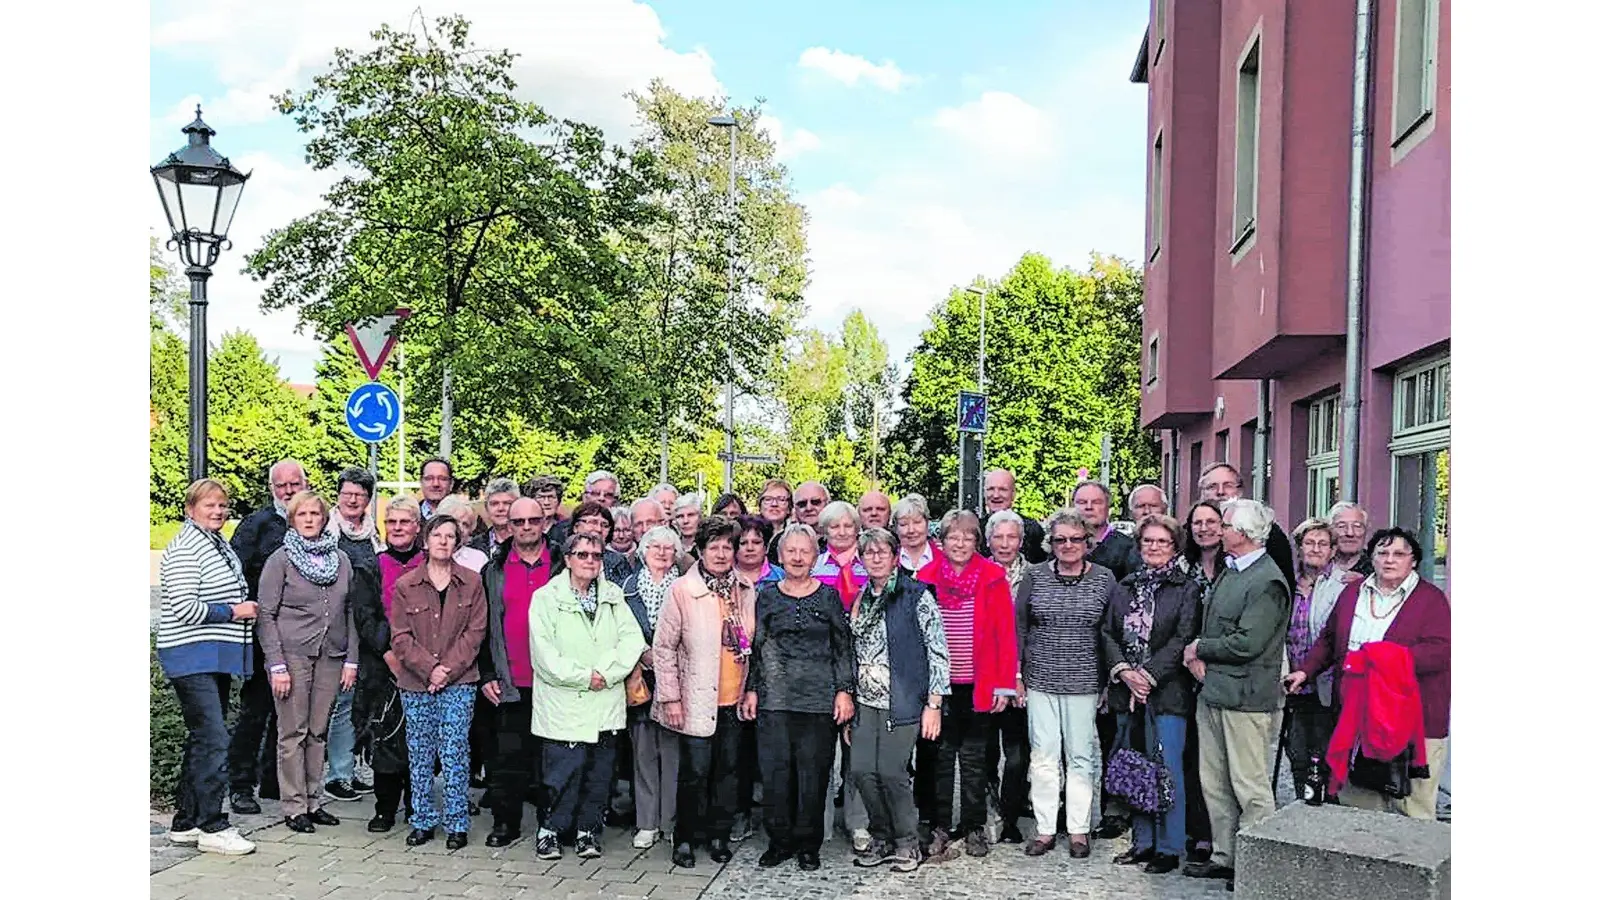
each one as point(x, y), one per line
point(1381, 710)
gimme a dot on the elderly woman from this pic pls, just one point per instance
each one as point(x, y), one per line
point(1152, 614)
point(1003, 534)
point(655, 749)
point(1396, 606)
point(838, 566)
point(203, 641)
point(1059, 605)
point(307, 623)
point(751, 559)
point(1309, 710)
point(917, 554)
point(357, 530)
point(584, 642)
point(622, 539)
point(1203, 561)
point(480, 736)
point(980, 628)
point(802, 671)
point(902, 677)
point(686, 517)
point(459, 509)
point(701, 652)
point(438, 618)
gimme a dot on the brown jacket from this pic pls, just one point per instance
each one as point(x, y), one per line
point(423, 636)
point(687, 650)
point(302, 619)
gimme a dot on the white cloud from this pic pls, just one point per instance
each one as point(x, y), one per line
point(789, 143)
point(852, 70)
point(1001, 125)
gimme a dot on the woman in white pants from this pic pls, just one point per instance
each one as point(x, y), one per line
point(1059, 605)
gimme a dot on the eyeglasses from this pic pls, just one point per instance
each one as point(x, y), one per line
point(353, 495)
point(525, 522)
point(775, 500)
point(1350, 528)
point(877, 551)
point(1058, 541)
point(814, 501)
point(393, 522)
point(590, 555)
point(1314, 545)
point(1156, 542)
point(285, 485)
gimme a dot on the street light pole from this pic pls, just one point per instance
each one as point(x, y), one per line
point(198, 277)
point(732, 124)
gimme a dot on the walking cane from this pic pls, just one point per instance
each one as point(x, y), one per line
point(1283, 737)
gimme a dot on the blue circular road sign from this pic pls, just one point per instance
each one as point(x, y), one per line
point(372, 412)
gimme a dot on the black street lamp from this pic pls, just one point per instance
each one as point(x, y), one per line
point(199, 191)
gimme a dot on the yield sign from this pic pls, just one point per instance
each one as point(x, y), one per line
point(375, 341)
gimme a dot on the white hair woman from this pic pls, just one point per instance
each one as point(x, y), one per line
point(655, 749)
point(839, 565)
point(462, 511)
point(1003, 534)
point(918, 553)
point(686, 512)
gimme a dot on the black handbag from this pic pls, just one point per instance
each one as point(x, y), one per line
point(1389, 777)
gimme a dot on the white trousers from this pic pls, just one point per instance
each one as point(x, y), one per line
point(1057, 723)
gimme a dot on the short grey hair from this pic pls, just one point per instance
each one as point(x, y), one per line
point(1345, 506)
point(620, 514)
point(685, 501)
point(797, 529)
point(663, 486)
point(1094, 484)
point(406, 505)
point(1147, 487)
point(455, 507)
point(874, 536)
point(960, 518)
point(910, 505)
point(599, 475)
point(501, 486)
point(836, 510)
point(1003, 517)
point(1251, 518)
point(638, 504)
point(662, 534)
point(579, 537)
point(1070, 517)
point(826, 495)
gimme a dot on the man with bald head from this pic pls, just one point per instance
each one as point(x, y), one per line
point(874, 509)
point(252, 751)
point(1000, 493)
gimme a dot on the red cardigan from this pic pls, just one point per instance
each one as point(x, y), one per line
point(994, 631)
point(1422, 626)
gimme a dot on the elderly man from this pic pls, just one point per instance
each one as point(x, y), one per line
point(1221, 482)
point(874, 509)
point(1112, 549)
point(250, 761)
point(519, 567)
point(1000, 493)
point(809, 499)
point(664, 494)
point(438, 480)
point(1239, 659)
point(1350, 540)
point(1147, 500)
point(498, 495)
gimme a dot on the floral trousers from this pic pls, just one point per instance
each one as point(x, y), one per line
point(436, 728)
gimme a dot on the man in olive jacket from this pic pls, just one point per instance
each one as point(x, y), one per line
point(1239, 661)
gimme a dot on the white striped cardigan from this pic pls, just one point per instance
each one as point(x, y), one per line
point(201, 579)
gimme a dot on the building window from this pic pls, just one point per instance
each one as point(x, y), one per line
point(1152, 367)
point(1222, 447)
point(1420, 458)
point(1195, 451)
point(1416, 52)
point(1322, 455)
point(1246, 144)
point(1247, 456)
point(1156, 197)
point(1159, 32)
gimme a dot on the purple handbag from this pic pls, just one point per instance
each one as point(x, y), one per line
point(1139, 778)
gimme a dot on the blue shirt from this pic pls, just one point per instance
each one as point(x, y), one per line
point(1245, 561)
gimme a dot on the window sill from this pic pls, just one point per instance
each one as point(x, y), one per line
point(1416, 125)
point(1154, 254)
point(1244, 241)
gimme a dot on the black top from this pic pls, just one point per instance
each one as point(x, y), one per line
point(1119, 553)
point(1033, 548)
point(801, 654)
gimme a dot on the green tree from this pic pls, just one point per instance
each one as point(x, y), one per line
point(256, 419)
point(869, 386)
point(169, 425)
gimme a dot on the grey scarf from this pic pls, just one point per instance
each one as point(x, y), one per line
point(315, 558)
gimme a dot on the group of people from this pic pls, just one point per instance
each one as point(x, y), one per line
point(702, 655)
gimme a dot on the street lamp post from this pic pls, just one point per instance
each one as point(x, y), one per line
point(970, 466)
point(199, 192)
point(732, 124)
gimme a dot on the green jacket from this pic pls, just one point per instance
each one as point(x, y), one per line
point(1241, 640)
point(566, 648)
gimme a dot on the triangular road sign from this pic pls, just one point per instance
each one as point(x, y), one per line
point(375, 341)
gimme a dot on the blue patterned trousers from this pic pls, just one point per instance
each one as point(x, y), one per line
point(436, 728)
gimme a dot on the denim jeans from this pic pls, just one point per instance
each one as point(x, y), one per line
point(1165, 832)
point(203, 780)
point(342, 739)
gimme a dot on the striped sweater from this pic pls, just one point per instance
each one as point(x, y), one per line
point(201, 579)
point(1058, 629)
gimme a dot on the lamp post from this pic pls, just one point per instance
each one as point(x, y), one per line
point(969, 486)
point(732, 124)
point(199, 192)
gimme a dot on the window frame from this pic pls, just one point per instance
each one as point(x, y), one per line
point(1159, 29)
point(1157, 188)
point(1245, 221)
point(1407, 129)
point(1322, 451)
point(1153, 360)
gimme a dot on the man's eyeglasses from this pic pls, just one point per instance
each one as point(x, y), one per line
point(287, 485)
point(1058, 541)
point(1350, 528)
point(525, 522)
point(590, 555)
point(814, 501)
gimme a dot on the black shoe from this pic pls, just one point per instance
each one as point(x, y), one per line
point(721, 852)
point(775, 856)
point(474, 781)
point(1230, 885)
point(683, 856)
point(473, 808)
point(977, 842)
point(808, 860)
point(455, 840)
point(380, 823)
point(341, 790)
point(301, 823)
point(588, 845)
point(1199, 854)
point(1161, 864)
point(419, 836)
point(1208, 869)
point(1077, 849)
point(269, 789)
point(1039, 846)
point(245, 805)
point(359, 786)
point(1011, 834)
point(323, 817)
point(1111, 827)
point(1131, 856)
point(502, 835)
point(548, 847)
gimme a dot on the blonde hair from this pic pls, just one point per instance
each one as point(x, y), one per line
point(202, 489)
point(301, 499)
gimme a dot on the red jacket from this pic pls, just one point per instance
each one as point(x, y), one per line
point(994, 631)
point(1381, 711)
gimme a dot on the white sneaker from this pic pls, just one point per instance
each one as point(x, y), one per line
point(645, 839)
point(861, 839)
point(228, 842)
point(184, 838)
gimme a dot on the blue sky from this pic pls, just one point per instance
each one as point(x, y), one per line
point(931, 142)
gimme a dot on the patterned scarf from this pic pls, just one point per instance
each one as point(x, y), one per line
point(955, 590)
point(589, 598)
point(733, 633)
point(870, 605)
point(366, 531)
point(653, 594)
point(315, 558)
point(1142, 611)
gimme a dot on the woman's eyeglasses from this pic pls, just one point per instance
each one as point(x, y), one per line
point(1156, 542)
point(590, 555)
point(1058, 541)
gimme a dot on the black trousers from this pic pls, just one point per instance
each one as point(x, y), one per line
point(481, 753)
point(1011, 729)
point(708, 780)
point(517, 760)
point(1197, 820)
point(963, 740)
point(1105, 723)
point(203, 779)
point(749, 768)
point(387, 790)
point(1310, 728)
point(925, 779)
point(796, 751)
point(253, 749)
point(578, 778)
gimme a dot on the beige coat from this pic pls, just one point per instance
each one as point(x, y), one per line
point(688, 647)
